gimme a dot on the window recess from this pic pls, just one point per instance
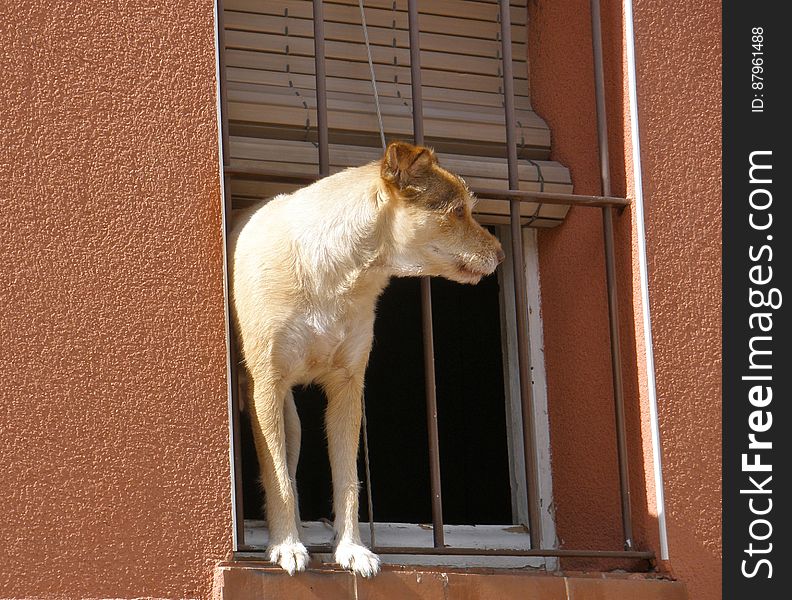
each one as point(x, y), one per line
point(297, 104)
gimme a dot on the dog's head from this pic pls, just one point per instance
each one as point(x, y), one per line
point(436, 232)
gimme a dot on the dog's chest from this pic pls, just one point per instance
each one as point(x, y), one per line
point(336, 327)
point(332, 341)
point(326, 334)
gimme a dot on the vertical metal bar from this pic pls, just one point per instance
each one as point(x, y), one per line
point(610, 274)
point(321, 88)
point(431, 412)
point(523, 348)
point(618, 386)
point(415, 71)
point(236, 444)
point(599, 83)
point(426, 296)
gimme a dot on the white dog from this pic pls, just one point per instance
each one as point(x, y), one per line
point(308, 268)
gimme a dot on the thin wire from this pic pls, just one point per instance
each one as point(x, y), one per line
point(368, 475)
point(541, 179)
point(373, 76)
point(384, 146)
point(297, 93)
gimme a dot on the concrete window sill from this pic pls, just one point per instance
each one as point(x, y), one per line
point(262, 581)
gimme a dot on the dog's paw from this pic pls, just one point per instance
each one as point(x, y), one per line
point(357, 558)
point(291, 556)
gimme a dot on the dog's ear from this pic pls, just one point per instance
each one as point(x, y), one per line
point(404, 164)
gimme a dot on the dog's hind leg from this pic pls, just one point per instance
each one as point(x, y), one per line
point(293, 439)
point(269, 431)
point(344, 389)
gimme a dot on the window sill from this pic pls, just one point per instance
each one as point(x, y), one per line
point(249, 580)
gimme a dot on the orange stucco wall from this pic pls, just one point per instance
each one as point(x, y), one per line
point(678, 54)
point(678, 73)
point(113, 426)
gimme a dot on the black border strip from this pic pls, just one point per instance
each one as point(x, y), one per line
point(756, 258)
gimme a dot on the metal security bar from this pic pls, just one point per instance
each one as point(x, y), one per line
point(610, 274)
point(426, 299)
point(606, 202)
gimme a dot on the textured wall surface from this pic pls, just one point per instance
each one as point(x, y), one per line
point(113, 427)
point(678, 48)
point(678, 56)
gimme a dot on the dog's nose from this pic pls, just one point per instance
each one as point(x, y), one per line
point(501, 255)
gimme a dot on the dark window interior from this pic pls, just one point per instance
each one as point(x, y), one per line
point(471, 411)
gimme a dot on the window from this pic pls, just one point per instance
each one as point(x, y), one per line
point(271, 146)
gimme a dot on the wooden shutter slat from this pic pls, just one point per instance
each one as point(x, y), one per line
point(489, 212)
point(395, 125)
point(360, 70)
point(493, 170)
point(381, 55)
point(473, 11)
point(467, 28)
point(480, 10)
point(378, 36)
point(388, 89)
point(294, 96)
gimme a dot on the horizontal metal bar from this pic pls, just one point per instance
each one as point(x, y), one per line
point(521, 195)
point(321, 88)
point(552, 197)
point(250, 553)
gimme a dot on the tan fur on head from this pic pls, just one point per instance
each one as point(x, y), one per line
point(447, 241)
point(405, 166)
point(307, 269)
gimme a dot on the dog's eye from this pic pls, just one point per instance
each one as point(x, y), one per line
point(459, 211)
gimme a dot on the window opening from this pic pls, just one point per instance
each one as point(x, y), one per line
point(266, 151)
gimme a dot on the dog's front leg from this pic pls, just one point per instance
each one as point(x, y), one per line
point(269, 432)
point(344, 389)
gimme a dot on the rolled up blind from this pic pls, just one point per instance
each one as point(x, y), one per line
point(271, 94)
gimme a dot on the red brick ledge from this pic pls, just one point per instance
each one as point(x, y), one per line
point(261, 581)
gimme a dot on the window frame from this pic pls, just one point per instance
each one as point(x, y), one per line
point(609, 206)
